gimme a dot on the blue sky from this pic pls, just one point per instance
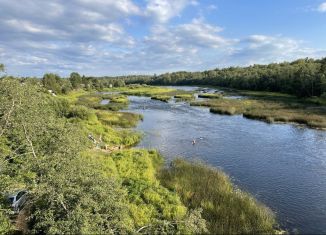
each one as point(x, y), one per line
point(116, 37)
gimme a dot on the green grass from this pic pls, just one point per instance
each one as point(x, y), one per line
point(106, 135)
point(93, 100)
point(184, 97)
point(73, 96)
point(163, 98)
point(149, 202)
point(226, 209)
point(119, 119)
point(210, 95)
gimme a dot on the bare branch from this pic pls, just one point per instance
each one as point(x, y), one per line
point(29, 140)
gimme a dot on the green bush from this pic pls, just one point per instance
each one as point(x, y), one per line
point(80, 112)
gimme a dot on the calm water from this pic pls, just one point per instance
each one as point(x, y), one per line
point(284, 166)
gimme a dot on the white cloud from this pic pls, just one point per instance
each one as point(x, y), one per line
point(265, 49)
point(322, 7)
point(164, 10)
point(103, 37)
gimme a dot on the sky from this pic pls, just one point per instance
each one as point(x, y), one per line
point(120, 37)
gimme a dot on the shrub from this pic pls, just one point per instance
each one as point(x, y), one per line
point(80, 112)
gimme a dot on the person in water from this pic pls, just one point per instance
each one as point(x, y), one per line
point(193, 142)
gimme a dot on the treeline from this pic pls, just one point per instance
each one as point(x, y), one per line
point(303, 78)
point(60, 85)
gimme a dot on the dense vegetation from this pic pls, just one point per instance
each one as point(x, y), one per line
point(303, 78)
point(66, 151)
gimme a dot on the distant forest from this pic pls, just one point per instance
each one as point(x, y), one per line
point(303, 78)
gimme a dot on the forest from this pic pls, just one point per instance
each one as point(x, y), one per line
point(303, 78)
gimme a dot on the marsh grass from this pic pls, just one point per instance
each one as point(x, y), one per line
point(210, 95)
point(93, 100)
point(269, 110)
point(184, 97)
point(226, 209)
point(163, 98)
point(120, 119)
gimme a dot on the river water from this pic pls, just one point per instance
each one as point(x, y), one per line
point(282, 165)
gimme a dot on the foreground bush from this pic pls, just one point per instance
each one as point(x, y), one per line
point(226, 209)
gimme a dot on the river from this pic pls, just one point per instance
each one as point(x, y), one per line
point(282, 165)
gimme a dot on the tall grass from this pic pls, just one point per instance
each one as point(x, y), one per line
point(269, 110)
point(210, 95)
point(120, 119)
point(184, 97)
point(163, 98)
point(226, 209)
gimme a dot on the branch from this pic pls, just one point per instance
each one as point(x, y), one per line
point(29, 141)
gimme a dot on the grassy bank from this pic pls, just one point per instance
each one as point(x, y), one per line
point(226, 209)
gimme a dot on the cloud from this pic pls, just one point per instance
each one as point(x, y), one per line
point(265, 49)
point(62, 35)
point(75, 20)
point(164, 10)
point(109, 37)
point(322, 7)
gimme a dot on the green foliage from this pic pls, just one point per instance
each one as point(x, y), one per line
point(2, 67)
point(227, 209)
point(80, 112)
point(52, 82)
point(75, 199)
point(303, 78)
point(5, 225)
point(75, 80)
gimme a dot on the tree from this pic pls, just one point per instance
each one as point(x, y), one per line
point(2, 67)
point(75, 80)
point(52, 82)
